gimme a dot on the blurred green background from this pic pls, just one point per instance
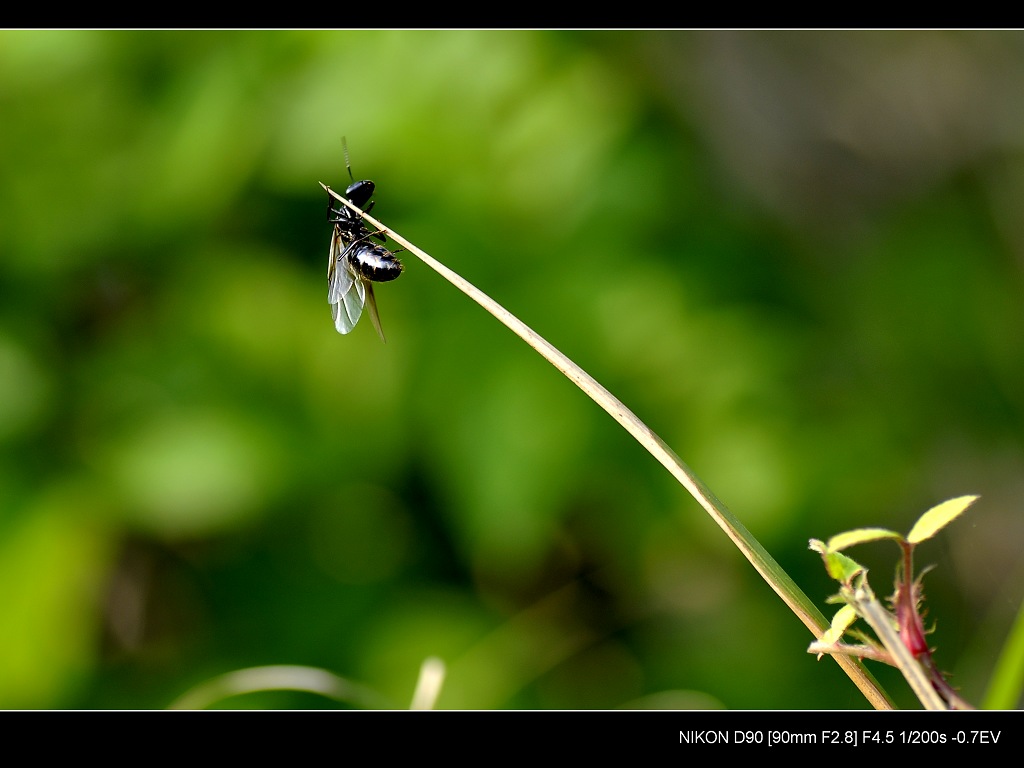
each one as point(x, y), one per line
point(796, 256)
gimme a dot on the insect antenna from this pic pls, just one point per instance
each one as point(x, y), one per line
point(344, 148)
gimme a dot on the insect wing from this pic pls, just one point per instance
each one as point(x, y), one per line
point(346, 291)
point(347, 311)
point(371, 304)
point(339, 278)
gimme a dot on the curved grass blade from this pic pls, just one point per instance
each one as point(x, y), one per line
point(751, 548)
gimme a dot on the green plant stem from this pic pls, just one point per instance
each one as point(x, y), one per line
point(868, 608)
point(758, 556)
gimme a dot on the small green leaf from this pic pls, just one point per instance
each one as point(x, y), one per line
point(837, 565)
point(936, 518)
point(844, 617)
point(842, 568)
point(860, 536)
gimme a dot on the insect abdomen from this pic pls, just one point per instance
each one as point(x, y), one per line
point(375, 262)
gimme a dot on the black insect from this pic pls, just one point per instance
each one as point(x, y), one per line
point(356, 262)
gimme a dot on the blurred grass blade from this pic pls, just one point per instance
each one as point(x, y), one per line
point(279, 678)
point(428, 687)
point(1007, 684)
point(758, 556)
